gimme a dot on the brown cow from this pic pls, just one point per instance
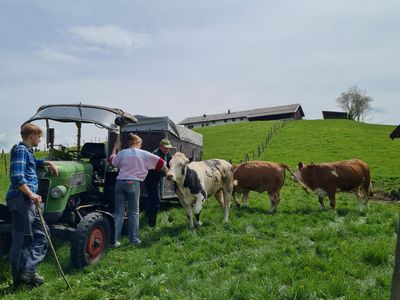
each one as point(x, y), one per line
point(327, 178)
point(259, 176)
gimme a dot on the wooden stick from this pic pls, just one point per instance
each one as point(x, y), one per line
point(51, 244)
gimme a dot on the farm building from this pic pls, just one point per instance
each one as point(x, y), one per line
point(291, 111)
point(334, 115)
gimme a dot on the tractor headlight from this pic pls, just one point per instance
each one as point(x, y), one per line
point(58, 191)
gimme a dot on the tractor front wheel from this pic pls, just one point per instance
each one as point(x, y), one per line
point(90, 240)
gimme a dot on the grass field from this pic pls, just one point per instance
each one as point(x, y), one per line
point(297, 253)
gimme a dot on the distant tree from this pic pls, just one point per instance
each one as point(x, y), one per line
point(355, 102)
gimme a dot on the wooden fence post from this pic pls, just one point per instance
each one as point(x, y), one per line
point(2, 153)
point(395, 291)
point(5, 165)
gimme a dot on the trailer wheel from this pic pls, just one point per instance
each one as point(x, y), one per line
point(5, 243)
point(90, 240)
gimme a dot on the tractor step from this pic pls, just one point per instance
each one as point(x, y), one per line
point(62, 231)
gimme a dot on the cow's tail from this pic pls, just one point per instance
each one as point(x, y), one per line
point(285, 166)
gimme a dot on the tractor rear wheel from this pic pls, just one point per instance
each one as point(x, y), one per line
point(90, 240)
point(5, 242)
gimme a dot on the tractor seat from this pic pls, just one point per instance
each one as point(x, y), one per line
point(94, 151)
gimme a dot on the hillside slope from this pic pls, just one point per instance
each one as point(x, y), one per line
point(312, 141)
point(330, 140)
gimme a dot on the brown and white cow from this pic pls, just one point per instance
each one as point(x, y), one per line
point(259, 176)
point(326, 179)
point(196, 181)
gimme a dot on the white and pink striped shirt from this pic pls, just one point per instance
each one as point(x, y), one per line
point(134, 163)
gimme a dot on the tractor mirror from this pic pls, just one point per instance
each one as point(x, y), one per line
point(120, 121)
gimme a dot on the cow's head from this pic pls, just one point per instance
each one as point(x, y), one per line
point(297, 172)
point(177, 167)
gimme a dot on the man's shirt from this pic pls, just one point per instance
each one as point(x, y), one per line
point(156, 176)
point(23, 170)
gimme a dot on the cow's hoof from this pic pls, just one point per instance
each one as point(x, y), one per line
point(363, 213)
point(322, 208)
point(271, 211)
point(199, 223)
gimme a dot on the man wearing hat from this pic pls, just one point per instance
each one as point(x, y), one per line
point(154, 183)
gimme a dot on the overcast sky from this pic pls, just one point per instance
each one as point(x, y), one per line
point(190, 57)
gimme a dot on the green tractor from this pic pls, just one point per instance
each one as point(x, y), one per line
point(78, 203)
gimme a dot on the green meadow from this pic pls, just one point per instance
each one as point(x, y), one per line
point(299, 252)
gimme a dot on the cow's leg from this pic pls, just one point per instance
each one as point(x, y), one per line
point(321, 195)
point(321, 201)
point(227, 194)
point(220, 196)
point(366, 195)
point(188, 211)
point(244, 198)
point(359, 199)
point(197, 208)
point(235, 200)
point(277, 199)
point(197, 221)
point(332, 200)
point(366, 201)
point(274, 200)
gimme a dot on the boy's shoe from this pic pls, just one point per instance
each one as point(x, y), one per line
point(136, 243)
point(32, 278)
point(117, 244)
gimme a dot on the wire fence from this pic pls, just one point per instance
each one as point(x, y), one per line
point(262, 147)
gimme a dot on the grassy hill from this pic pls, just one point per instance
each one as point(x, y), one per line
point(297, 253)
point(233, 141)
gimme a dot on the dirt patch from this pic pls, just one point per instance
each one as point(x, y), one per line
point(393, 197)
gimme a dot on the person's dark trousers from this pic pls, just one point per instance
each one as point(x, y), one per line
point(153, 188)
point(29, 242)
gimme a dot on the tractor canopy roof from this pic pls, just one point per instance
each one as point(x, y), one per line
point(80, 113)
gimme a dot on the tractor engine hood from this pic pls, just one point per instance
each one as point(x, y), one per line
point(70, 173)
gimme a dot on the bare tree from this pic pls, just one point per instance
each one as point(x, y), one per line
point(355, 102)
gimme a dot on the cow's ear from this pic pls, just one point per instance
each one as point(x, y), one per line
point(300, 165)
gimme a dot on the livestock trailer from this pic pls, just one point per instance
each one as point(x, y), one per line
point(152, 130)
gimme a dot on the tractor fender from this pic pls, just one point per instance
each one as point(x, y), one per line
point(110, 219)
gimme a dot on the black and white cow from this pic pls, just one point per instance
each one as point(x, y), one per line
point(196, 181)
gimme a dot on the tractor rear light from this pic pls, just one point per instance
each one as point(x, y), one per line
point(58, 191)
